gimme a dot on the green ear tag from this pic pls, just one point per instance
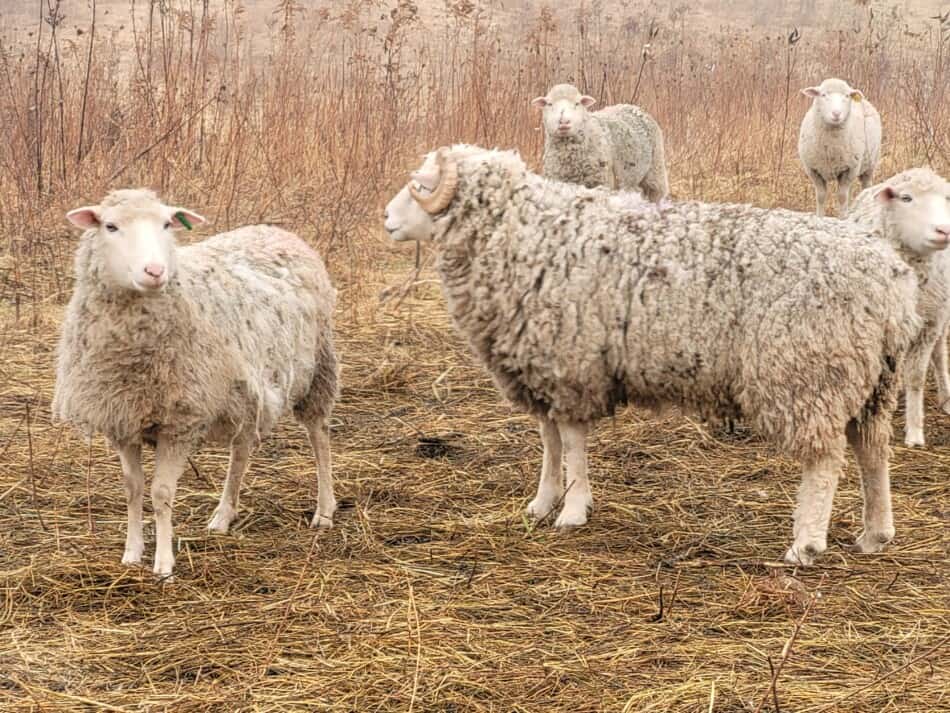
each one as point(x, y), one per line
point(182, 219)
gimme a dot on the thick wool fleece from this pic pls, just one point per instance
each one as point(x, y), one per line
point(242, 333)
point(844, 152)
point(620, 147)
point(579, 301)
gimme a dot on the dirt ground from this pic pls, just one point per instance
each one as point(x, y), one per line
point(432, 592)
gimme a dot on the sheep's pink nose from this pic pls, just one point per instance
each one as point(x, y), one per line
point(836, 115)
point(153, 269)
point(943, 231)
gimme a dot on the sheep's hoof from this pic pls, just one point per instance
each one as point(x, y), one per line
point(871, 542)
point(804, 555)
point(541, 507)
point(132, 557)
point(221, 520)
point(571, 518)
point(914, 438)
point(163, 573)
point(324, 522)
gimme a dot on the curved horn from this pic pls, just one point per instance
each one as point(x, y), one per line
point(444, 192)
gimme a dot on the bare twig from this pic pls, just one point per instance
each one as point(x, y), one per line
point(786, 652)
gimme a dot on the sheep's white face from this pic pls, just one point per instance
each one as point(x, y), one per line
point(405, 218)
point(136, 241)
point(833, 101)
point(919, 218)
point(563, 116)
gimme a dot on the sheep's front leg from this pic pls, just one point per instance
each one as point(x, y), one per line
point(227, 508)
point(939, 360)
point(577, 497)
point(130, 456)
point(169, 464)
point(319, 433)
point(551, 485)
point(844, 193)
point(821, 191)
point(915, 380)
point(813, 512)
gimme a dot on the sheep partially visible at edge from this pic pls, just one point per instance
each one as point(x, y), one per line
point(620, 146)
point(911, 210)
point(175, 346)
point(839, 140)
point(579, 301)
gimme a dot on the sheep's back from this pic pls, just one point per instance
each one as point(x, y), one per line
point(725, 310)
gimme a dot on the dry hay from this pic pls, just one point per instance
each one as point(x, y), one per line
point(432, 592)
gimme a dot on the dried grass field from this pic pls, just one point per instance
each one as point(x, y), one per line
point(432, 592)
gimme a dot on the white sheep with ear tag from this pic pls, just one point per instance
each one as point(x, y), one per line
point(839, 140)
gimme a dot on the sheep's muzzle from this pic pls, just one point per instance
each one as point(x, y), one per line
point(444, 192)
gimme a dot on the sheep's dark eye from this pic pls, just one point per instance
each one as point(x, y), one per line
point(906, 198)
point(112, 227)
point(168, 225)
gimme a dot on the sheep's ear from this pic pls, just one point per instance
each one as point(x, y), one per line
point(539, 102)
point(85, 217)
point(885, 195)
point(856, 95)
point(184, 218)
point(588, 101)
point(811, 92)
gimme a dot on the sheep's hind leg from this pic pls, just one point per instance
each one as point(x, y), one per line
point(813, 511)
point(169, 463)
point(227, 508)
point(577, 497)
point(319, 432)
point(131, 458)
point(551, 484)
point(871, 450)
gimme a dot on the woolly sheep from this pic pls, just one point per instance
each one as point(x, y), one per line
point(579, 301)
point(173, 346)
point(620, 146)
point(912, 211)
point(839, 140)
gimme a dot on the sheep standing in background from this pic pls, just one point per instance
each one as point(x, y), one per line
point(839, 140)
point(579, 301)
point(619, 147)
point(172, 347)
point(912, 211)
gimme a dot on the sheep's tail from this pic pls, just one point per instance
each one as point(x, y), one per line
point(656, 184)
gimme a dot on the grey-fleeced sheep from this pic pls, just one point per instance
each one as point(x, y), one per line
point(619, 147)
point(579, 301)
point(839, 140)
point(911, 210)
point(174, 346)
